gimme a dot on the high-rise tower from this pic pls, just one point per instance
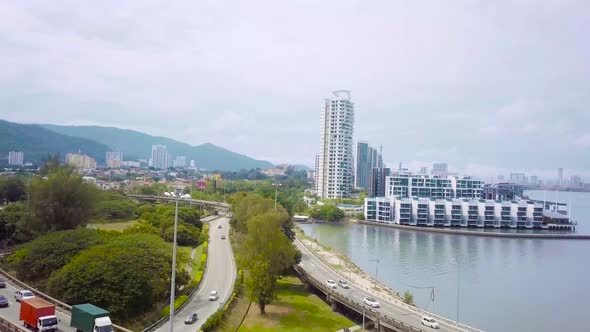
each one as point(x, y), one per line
point(335, 164)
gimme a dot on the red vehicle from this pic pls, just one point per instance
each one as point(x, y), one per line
point(38, 314)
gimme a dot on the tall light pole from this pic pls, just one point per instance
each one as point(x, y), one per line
point(276, 184)
point(458, 286)
point(173, 279)
point(376, 269)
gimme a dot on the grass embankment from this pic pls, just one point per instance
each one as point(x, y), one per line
point(113, 226)
point(295, 310)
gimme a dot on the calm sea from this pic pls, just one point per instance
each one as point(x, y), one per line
point(505, 284)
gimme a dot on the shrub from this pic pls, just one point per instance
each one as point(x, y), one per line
point(408, 298)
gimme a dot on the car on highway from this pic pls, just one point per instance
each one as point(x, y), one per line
point(343, 284)
point(430, 322)
point(3, 301)
point(213, 296)
point(2, 283)
point(191, 319)
point(23, 295)
point(219, 226)
point(223, 237)
point(371, 302)
point(331, 283)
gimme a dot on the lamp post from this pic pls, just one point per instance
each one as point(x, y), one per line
point(458, 286)
point(376, 270)
point(176, 196)
point(276, 184)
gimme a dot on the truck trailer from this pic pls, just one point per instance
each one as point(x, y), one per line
point(38, 315)
point(90, 318)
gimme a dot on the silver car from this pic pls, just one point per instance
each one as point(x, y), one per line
point(213, 296)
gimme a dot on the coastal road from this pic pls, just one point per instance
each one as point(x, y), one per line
point(220, 275)
point(12, 312)
point(319, 270)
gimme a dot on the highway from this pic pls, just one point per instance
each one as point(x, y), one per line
point(11, 313)
point(220, 275)
point(320, 271)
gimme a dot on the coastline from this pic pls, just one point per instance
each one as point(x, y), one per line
point(479, 233)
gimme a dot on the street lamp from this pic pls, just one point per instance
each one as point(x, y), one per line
point(276, 184)
point(177, 194)
point(376, 269)
point(458, 285)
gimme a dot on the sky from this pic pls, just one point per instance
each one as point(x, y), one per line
point(487, 86)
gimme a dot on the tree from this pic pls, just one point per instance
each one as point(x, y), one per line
point(187, 235)
point(114, 206)
point(12, 189)
point(11, 218)
point(266, 254)
point(126, 276)
point(38, 259)
point(328, 212)
point(408, 298)
point(62, 200)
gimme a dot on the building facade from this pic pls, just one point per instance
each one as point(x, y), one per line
point(80, 161)
point(440, 169)
point(180, 162)
point(16, 158)
point(114, 159)
point(159, 157)
point(363, 165)
point(378, 179)
point(407, 185)
point(335, 163)
point(502, 191)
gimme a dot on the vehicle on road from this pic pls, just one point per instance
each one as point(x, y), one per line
point(219, 226)
point(2, 283)
point(90, 318)
point(23, 295)
point(371, 302)
point(191, 319)
point(38, 314)
point(430, 322)
point(343, 284)
point(3, 301)
point(331, 283)
point(213, 296)
point(223, 237)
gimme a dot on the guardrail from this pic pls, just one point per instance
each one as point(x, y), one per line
point(6, 326)
point(196, 201)
point(399, 303)
point(64, 307)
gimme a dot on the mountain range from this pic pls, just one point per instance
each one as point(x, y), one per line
point(37, 141)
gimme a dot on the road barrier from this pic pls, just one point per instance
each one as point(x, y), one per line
point(6, 326)
point(61, 306)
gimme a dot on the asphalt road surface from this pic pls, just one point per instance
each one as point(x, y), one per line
point(220, 276)
point(316, 268)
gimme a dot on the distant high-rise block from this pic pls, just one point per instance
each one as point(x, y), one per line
point(441, 169)
point(80, 161)
point(159, 156)
point(114, 159)
point(335, 163)
point(16, 158)
point(378, 180)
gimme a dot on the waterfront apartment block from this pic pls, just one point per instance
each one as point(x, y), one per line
point(334, 175)
point(16, 158)
point(406, 185)
point(455, 212)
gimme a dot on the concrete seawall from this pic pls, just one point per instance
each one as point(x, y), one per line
point(481, 233)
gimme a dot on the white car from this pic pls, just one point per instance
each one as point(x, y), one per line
point(430, 322)
point(213, 296)
point(371, 302)
point(331, 283)
point(24, 294)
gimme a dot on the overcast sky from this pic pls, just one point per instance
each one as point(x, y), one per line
point(487, 86)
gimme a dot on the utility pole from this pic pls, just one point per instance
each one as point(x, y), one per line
point(173, 278)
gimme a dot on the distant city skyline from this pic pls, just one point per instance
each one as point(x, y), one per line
point(480, 85)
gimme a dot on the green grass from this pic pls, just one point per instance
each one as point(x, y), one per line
point(113, 226)
point(295, 310)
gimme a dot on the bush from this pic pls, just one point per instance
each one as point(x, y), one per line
point(408, 298)
point(198, 276)
point(177, 303)
point(213, 320)
point(115, 206)
point(203, 261)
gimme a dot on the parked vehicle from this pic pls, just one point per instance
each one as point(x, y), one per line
point(3, 301)
point(430, 322)
point(23, 295)
point(213, 296)
point(2, 283)
point(191, 319)
point(90, 318)
point(223, 237)
point(371, 302)
point(331, 283)
point(38, 314)
point(343, 284)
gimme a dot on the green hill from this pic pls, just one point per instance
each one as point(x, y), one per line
point(37, 142)
point(135, 145)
